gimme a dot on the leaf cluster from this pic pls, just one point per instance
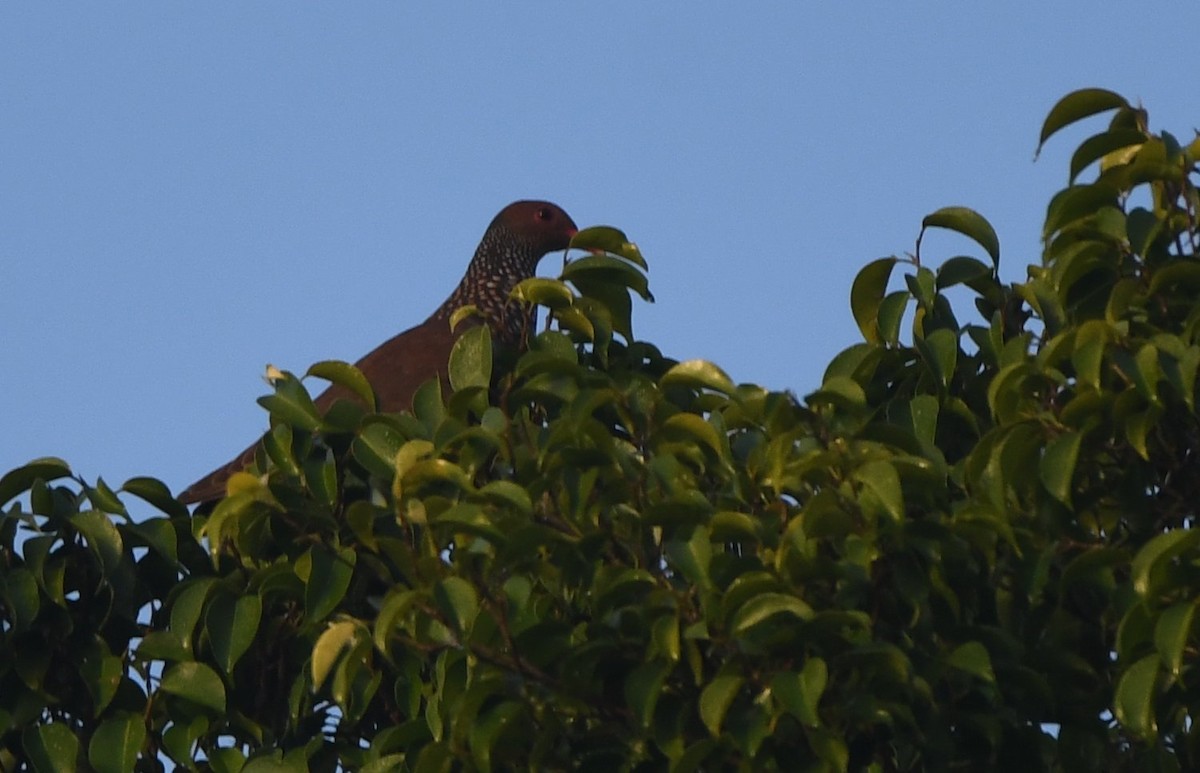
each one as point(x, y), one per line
point(971, 547)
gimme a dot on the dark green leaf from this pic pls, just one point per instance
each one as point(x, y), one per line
point(973, 658)
point(1076, 106)
point(116, 743)
point(232, 624)
point(326, 580)
point(643, 688)
point(962, 270)
point(197, 683)
point(19, 480)
point(1101, 145)
point(156, 493)
point(866, 295)
point(1057, 466)
point(458, 602)
point(52, 747)
point(969, 223)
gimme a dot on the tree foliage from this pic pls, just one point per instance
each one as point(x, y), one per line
point(971, 547)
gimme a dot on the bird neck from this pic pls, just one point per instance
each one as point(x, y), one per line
point(492, 274)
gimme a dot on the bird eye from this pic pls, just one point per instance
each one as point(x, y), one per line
point(545, 214)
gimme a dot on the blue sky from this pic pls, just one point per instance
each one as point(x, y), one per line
point(191, 191)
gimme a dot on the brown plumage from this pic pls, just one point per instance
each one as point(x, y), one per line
point(509, 252)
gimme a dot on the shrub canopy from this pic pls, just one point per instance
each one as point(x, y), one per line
point(971, 547)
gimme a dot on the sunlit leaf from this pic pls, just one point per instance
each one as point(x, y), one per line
point(1133, 705)
point(471, 359)
point(346, 376)
point(715, 699)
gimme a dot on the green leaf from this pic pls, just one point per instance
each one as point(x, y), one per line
point(551, 293)
point(51, 747)
point(698, 374)
point(116, 742)
point(840, 391)
point(346, 376)
point(866, 295)
point(1090, 339)
point(1149, 567)
point(939, 349)
point(327, 580)
point(881, 484)
point(923, 412)
point(1075, 204)
point(612, 269)
point(716, 698)
point(22, 478)
point(102, 538)
point(159, 534)
point(643, 687)
point(962, 270)
point(232, 624)
point(186, 606)
point(156, 493)
point(608, 239)
point(101, 672)
point(969, 223)
point(332, 642)
point(974, 659)
point(692, 556)
point(291, 402)
point(162, 645)
point(197, 683)
point(1171, 634)
point(1102, 145)
point(1057, 466)
point(761, 608)
point(1133, 704)
point(471, 359)
point(227, 760)
point(488, 728)
point(800, 693)
point(105, 499)
point(507, 494)
point(923, 286)
point(891, 313)
point(376, 447)
point(1076, 106)
point(693, 428)
point(458, 602)
point(19, 592)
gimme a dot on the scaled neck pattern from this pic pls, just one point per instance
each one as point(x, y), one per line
point(500, 262)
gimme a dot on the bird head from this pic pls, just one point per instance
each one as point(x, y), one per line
point(541, 226)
